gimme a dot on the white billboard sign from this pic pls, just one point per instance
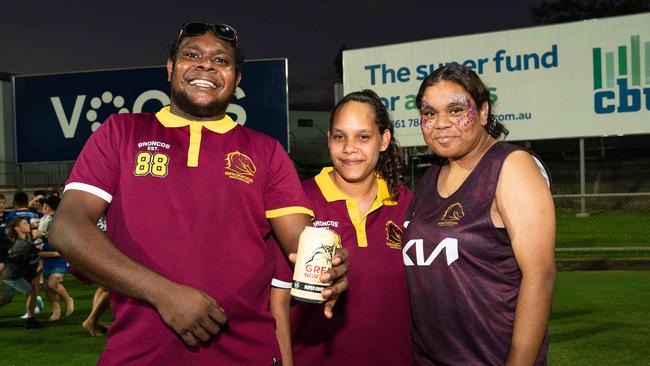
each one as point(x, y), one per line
point(589, 78)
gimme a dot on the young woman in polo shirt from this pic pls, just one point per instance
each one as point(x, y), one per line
point(362, 198)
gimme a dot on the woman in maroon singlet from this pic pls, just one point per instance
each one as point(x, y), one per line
point(479, 246)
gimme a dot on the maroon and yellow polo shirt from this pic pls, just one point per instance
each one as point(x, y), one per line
point(191, 200)
point(371, 323)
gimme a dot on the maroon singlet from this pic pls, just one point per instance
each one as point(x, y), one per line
point(462, 274)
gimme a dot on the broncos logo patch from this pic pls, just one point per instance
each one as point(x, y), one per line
point(393, 235)
point(239, 166)
point(453, 214)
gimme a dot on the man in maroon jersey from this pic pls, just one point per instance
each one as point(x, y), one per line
point(192, 195)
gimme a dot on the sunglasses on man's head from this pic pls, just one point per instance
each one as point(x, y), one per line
point(222, 31)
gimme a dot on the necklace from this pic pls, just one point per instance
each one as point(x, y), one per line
point(481, 152)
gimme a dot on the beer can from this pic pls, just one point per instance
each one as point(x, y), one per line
point(315, 252)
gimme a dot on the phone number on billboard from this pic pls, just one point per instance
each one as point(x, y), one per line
point(410, 122)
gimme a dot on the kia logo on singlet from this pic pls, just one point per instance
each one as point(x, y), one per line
point(450, 245)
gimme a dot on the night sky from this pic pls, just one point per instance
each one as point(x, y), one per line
point(59, 36)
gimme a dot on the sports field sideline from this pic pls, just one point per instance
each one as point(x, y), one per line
point(599, 318)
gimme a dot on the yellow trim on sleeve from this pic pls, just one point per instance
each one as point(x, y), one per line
point(270, 214)
point(170, 120)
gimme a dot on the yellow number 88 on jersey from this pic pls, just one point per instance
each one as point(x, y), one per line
point(148, 163)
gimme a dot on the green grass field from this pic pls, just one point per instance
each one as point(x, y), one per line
point(61, 343)
point(599, 318)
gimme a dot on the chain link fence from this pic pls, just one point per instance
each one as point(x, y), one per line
point(603, 222)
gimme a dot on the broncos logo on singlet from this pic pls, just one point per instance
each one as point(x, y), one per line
point(453, 214)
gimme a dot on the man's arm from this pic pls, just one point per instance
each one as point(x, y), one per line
point(279, 305)
point(525, 205)
point(287, 231)
point(49, 254)
point(193, 314)
point(32, 202)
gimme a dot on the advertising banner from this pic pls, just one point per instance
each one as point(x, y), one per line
point(55, 114)
point(589, 78)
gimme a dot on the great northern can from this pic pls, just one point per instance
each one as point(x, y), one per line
point(315, 252)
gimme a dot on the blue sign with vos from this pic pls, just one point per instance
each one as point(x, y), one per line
point(55, 114)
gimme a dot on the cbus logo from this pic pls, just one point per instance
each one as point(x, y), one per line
point(621, 89)
point(108, 103)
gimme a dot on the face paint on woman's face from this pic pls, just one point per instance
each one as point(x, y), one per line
point(424, 122)
point(470, 114)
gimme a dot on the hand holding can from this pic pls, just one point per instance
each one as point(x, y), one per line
point(315, 252)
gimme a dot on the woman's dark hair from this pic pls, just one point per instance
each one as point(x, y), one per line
point(12, 234)
point(390, 164)
point(466, 78)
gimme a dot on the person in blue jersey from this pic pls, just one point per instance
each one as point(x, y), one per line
point(22, 209)
point(54, 265)
point(480, 238)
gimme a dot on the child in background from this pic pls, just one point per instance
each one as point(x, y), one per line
point(54, 266)
point(21, 268)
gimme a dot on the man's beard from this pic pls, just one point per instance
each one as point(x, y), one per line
point(182, 102)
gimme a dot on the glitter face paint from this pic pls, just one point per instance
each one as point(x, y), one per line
point(470, 116)
point(424, 122)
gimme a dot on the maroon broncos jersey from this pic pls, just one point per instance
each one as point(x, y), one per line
point(191, 201)
point(462, 274)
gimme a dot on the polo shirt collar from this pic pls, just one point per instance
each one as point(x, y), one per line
point(332, 193)
point(170, 120)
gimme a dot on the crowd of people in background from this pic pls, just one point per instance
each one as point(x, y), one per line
point(28, 263)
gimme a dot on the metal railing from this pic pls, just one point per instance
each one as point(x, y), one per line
point(27, 176)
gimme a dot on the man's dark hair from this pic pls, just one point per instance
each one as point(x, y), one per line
point(239, 56)
point(21, 199)
point(52, 201)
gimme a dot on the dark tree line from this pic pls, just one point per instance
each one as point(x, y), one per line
point(560, 11)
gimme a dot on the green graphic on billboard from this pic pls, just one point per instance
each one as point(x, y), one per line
point(622, 78)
